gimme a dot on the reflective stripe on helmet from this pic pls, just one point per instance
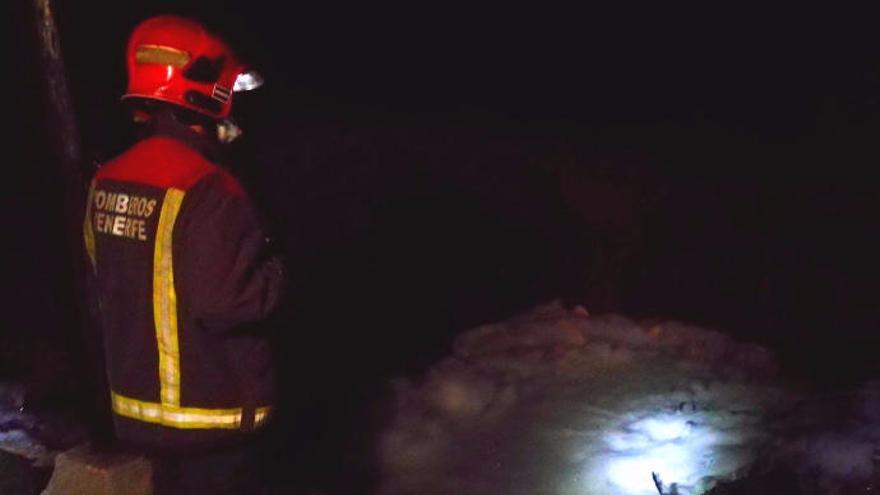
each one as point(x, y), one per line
point(161, 55)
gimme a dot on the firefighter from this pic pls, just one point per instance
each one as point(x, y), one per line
point(181, 270)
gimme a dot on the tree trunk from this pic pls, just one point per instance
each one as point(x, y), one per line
point(83, 338)
point(60, 107)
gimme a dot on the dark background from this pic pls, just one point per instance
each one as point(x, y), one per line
point(429, 167)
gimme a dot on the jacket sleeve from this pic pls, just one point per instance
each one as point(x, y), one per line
point(225, 273)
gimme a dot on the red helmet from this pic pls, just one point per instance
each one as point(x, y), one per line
point(176, 60)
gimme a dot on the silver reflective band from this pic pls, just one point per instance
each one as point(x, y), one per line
point(247, 81)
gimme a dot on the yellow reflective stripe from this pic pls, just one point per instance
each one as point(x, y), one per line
point(168, 411)
point(174, 416)
point(162, 55)
point(183, 417)
point(88, 232)
point(165, 300)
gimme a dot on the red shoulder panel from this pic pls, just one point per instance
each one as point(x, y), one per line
point(160, 162)
point(230, 184)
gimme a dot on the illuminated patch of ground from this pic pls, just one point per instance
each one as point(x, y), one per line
point(557, 401)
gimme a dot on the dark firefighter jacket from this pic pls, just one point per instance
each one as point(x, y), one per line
point(180, 271)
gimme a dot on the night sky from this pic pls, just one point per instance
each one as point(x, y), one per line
point(757, 81)
point(428, 167)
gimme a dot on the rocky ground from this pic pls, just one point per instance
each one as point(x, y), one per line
point(29, 442)
point(558, 401)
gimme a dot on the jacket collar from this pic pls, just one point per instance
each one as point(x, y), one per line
point(165, 124)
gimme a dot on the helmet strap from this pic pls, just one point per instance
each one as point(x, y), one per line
point(228, 131)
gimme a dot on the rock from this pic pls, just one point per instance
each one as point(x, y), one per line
point(19, 443)
point(19, 476)
point(690, 342)
point(580, 312)
point(482, 340)
point(546, 327)
point(594, 398)
point(80, 471)
point(416, 442)
point(615, 329)
point(457, 391)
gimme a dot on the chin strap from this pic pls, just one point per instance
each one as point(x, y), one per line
point(228, 131)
